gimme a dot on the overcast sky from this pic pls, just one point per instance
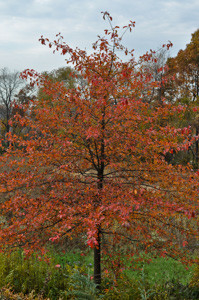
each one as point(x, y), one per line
point(22, 22)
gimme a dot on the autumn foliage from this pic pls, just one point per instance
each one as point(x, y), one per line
point(91, 160)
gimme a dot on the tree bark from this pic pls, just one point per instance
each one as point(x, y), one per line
point(197, 149)
point(97, 261)
point(97, 249)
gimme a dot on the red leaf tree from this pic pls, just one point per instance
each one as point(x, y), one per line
point(92, 160)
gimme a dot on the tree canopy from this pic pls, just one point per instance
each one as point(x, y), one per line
point(93, 162)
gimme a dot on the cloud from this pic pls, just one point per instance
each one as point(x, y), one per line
point(23, 22)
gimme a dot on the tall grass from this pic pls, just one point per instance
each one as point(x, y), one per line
point(69, 276)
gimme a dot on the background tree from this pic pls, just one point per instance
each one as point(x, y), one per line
point(64, 74)
point(185, 67)
point(93, 163)
point(156, 68)
point(10, 83)
point(184, 89)
point(22, 99)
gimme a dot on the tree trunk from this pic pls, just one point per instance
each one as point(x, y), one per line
point(197, 149)
point(100, 175)
point(97, 249)
point(97, 261)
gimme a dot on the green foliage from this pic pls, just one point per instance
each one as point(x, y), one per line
point(82, 286)
point(175, 290)
point(195, 278)
point(161, 279)
point(64, 74)
point(69, 276)
point(160, 270)
point(145, 291)
point(25, 275)
point(142, 288)
point(49, 276)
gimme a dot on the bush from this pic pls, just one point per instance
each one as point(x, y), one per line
point(195, 279)
point(46, 277)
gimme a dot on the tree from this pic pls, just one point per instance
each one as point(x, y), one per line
point(156, 68)
point(186, 68)
point(93, 162)
point(25, 95)
point(65, 75)
point(185, 87)
point(23, 98)
point(10, 83)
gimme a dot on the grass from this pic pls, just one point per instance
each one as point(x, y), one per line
point(68, 276)
point(162, 270)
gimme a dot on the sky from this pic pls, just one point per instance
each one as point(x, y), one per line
point(22, 22)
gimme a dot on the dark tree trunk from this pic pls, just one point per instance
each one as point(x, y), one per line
point(97, 249)
point(100, 175)
point(97, 262)
point(197, 149)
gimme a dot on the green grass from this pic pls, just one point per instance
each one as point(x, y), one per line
point(162, 270)
point(68, 276)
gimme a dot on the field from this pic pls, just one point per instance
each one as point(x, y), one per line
point(59, 275)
